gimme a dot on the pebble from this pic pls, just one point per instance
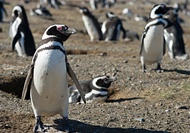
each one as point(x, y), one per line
point(140, 119)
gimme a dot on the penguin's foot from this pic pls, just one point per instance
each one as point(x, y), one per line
point(39, 127)
point(144, 69)
point(159, 69)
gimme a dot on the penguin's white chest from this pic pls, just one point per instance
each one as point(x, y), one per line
point(50, 92)
point(169, 37)
point(14, 27)
point(91, 28)
point(153, 43)
point(19, 46)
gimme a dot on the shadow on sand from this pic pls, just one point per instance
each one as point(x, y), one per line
point(184, 72)
point(123, 99)
point(81, 127)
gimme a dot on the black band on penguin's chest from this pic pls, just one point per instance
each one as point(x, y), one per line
point(50, 47)
point(50, 39)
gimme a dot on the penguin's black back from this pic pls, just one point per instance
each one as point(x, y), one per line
point(29, 40)
point(176, 29)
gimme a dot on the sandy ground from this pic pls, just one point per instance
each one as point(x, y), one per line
point(138, 103)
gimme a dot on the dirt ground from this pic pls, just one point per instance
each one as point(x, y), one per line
point(139, 102)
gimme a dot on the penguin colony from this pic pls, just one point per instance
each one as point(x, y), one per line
point(50, 65)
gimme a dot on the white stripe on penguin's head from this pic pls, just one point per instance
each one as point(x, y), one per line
point(94, 82)
point(158, 10)
point(60, 31)
point(16, 11)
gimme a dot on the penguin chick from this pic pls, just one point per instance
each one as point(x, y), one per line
point(20, 33)
point(95, 90)
point(49, 69)
point(152, 41)
point(174, 37)
point(112, 27)
point(91, 24)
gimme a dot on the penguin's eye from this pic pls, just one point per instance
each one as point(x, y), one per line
point(65, 28)
point(106, 79)
point(62, 28)
point(84, 10)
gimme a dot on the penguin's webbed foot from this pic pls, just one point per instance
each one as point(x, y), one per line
point(39, 127)
point(144, 69)
point(159, 69)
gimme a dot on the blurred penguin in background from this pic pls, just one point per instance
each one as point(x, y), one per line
point(108, 3)
point(93, 4)
point(2, 11)
point(53, 3)
point(41, 11)
point(112, 27)
point(20, 33)
point(174, 37)
point(91, 24)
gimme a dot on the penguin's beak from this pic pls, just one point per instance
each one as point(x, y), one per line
point(109, 79)
point(70, 31)
point(168, 8)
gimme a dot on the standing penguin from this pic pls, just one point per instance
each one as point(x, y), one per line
point(174, 37)
point(91, 24)
point(93, 4)
point(49, 69)
point(152, 41)
point(112, 27)
point(22, 38)
point(2, 10)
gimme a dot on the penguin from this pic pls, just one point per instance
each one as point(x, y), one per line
point(112, 27)
point(91, 24)
point(108, 3)
point(41, 11)
point(174, 37)
point(22, 38)
point(53, 3)
point(131, 36)
point(2, 11)
point(95, 90)
point(48, 70)
point(140, 18)
point(93, 4)
point(152, 40)
point(127, 12)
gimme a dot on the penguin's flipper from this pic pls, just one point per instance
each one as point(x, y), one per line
point(164, 47)
point(75, 80)
point(27, 82)
point(142, 41)
point(123, 30)
point(15, 39)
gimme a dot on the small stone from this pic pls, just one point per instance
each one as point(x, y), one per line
point(140, 119)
